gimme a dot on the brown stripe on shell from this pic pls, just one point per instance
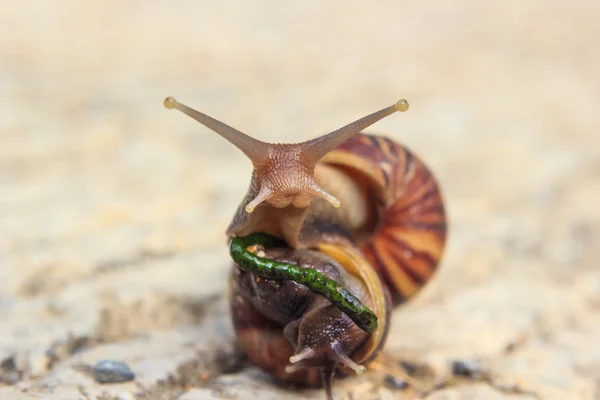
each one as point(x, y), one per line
point(401, 283)
point(421, 262)
point(376, 261)
point(410, 238)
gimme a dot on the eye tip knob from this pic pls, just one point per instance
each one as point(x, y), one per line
point(402, 105)
point(169, 102)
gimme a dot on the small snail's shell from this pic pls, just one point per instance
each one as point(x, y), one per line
point(409, 237)
point(355, 264)
point(268, 316)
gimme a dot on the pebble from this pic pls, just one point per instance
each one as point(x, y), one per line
point(9, 373)
point(110, 371)
point(468, 369)
point(394, 382)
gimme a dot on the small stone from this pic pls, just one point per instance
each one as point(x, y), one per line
point(409, 367)
point(110, 371)
point(9, 373)
point(468, 369)
point(395, 382)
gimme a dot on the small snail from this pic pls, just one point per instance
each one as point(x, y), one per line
point(332, 234)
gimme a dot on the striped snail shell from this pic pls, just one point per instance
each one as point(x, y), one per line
point(407, 243)
point(333, 232)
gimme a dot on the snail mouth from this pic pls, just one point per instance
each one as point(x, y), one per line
point(301, 199)
point(298, 197)
point(280, 201)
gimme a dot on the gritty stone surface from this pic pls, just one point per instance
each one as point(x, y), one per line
point(113, 209)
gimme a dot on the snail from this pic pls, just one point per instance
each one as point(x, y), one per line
point(332, 235)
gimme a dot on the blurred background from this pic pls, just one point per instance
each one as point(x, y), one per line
point(113, 209)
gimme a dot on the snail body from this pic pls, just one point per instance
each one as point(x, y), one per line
point(360, 227)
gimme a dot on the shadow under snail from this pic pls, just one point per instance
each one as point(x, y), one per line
point(332, 234)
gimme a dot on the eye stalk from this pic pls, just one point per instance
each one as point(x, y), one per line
point(285, 172)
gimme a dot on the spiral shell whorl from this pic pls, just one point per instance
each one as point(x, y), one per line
point(409, 240)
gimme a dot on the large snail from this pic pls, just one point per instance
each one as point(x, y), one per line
point(331, 235)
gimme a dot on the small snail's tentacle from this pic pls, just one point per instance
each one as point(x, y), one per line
point(335, 355)
point(255, 150)
point(327, 373)
point(293, 368)
point(362, 316)
point(346, 361)
point(307, 352)
point(316, 148)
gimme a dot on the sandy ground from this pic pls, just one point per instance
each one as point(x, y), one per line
point(113, 210)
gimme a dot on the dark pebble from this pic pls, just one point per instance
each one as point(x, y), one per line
point(468, 369)
point(109, 371)
point(394, 382)
point(409, 367)
point(9, 373)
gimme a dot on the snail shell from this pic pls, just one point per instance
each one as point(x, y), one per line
point(409, 236)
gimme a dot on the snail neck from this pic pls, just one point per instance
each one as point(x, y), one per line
point(307, 227)
point(285, 223)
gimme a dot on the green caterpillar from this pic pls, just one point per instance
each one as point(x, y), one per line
point(362, 316)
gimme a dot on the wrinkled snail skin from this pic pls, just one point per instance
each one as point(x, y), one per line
point(359, 208)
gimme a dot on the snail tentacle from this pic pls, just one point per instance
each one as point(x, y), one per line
point(327, 374)
point(317, 148)
point(254, 149)
point(286, 171)
point(334, 353)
